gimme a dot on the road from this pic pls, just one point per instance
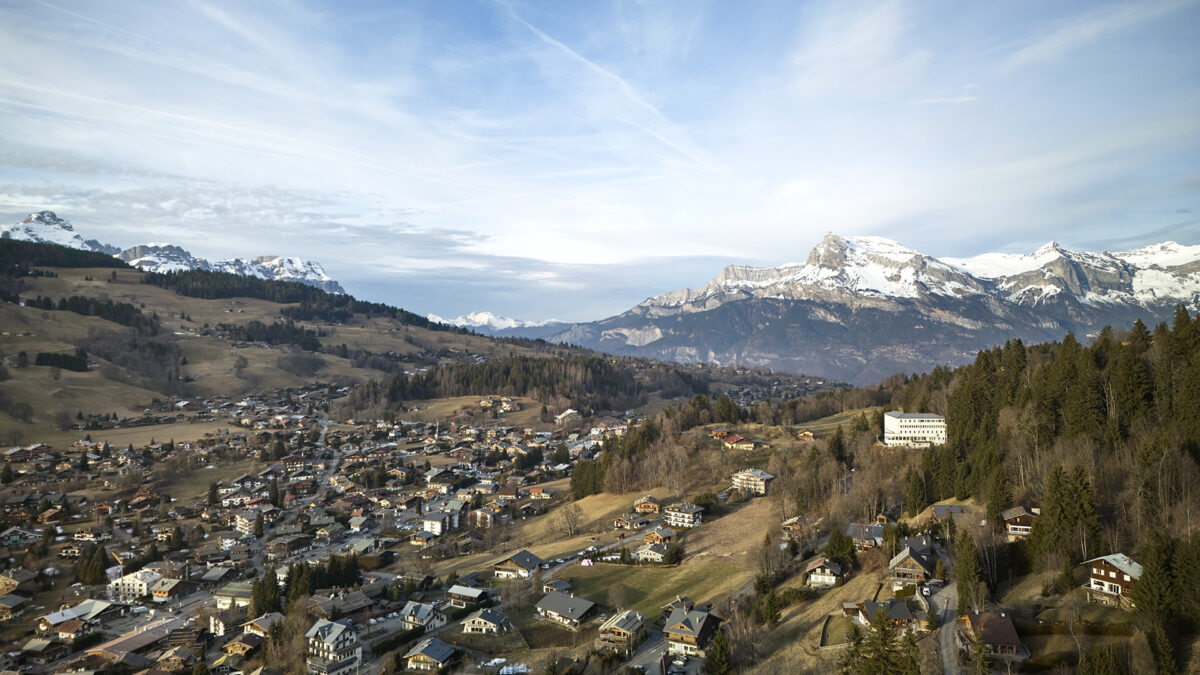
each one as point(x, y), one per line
point(945, 603)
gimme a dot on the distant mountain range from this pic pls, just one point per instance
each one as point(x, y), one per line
point(863, 308)
point(492, 324)
point(46, 227)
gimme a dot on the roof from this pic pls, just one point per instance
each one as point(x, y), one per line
point(757, 473)
point(860, 531)
point(418, 611)
point(466, 591)
point(687, 622)
point(911, 416)
point(907, 552)
point(490, 615)
point(432, 648)
point(327, 631)
point(628, 621)
point(12, 600)
point(524, 559)
point(1014, 512)
point(564, 605)
point(1121, 562)
point(994, 628)
point(824, 562)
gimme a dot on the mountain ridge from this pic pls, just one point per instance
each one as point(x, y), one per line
point(862, 308)
point(48, 227)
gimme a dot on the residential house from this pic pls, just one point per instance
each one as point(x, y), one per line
point(865, 536)
point(650, 552)
point(564, 609)
point(752, 481)
point(243, 644)
point(421, 615)
point(430, 654)
point(560, 585)
point(660, 535)
point(1018, 522)
point(823, 572)
point(486, 621)
point(647, 504)
point(689, 631)
point(995, 632)
point(622, 633)
point(912, 566)
point(465, 596)
point(165, 590)
point(333, 648)
point(262, 625)
point(133, 586)
point(684, 515)
point(944, 512)
point(895, 612)
point(518, 565)
point(235, 593)
point(10, 605)
point(736, 442)
point(630, 521)
point(1111, 579)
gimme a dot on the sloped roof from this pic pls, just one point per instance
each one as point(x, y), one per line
point(432, 648)
point(628, 621)
point(523, 558)
point(565, 605)
point(1121, 562)
point(327, 631)
point(687, 622)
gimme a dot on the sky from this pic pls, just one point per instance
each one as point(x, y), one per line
point(569, 160)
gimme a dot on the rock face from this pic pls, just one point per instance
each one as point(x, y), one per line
point(47, 228)
point(863, 308)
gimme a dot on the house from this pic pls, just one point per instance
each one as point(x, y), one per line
point(560, 585)
point(1111, 579)
point(262, 625)
point(895, 611)
point(88, 611)
point(1018, 522)
point(333, 648)
point(564, 609)
point(133, 586)
point(995, 632)
point(689, 631)
point(660, 535)
point(865, 536)
point(17, 578)
point(647, 504)
point(684, 515)
point(805, 436)
point(944, 512)
point(176, 658)
point(630, 521)
point(222, 622)
point(243, 644)
point(288, 546)
point(430, 654)
point(518, 565)
point(912, 566)
point(622, 633)
point(736, 442)
point(823, 572)
point(165, 590)
point(10, 605)
point(72, 630)
point(421, 615)
point(465, 596)
point(752, 481)
point(915, 430)
point(486, 621)
point(651, 552)
point(234, 593)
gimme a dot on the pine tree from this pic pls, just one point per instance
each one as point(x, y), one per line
point(968, 575)
point(840, 549)
point(6, 475)
point(258, 525)
point(213, 497)
point(1101, 661)
point(914, 492)
point(1155, 595)
point(909, 658)
point(719, 661)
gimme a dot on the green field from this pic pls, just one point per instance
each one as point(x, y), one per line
point(649, 588)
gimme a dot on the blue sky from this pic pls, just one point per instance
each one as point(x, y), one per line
point(571, 159)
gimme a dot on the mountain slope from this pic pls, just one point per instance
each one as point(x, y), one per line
point(861, 308)
point(45, 227)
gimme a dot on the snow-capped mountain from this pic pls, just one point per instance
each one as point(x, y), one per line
point(493, 324)
point(862, 308)
point(46, 227)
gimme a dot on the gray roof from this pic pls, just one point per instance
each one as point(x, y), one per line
point(327, 630)
point(525, 559)
point(912, 416)
point(492, 616)
point(564, 605)
point(757, 473)
point(433, 648)
point(687, 622)
point(1121, 562)
point(628, 621)
point(419, 612)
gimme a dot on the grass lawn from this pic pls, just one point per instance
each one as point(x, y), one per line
point(836, 632)
point(827, 425)
point(194, 486)
point(540, 634)
point(649, 588)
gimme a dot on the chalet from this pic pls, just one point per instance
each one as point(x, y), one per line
point(865, 536)
point(165, 590)
point(465, 596)
point(262, 625)
point(689, 631)
point(235, 593)
point(10, 605)
point(243, 644)
point(943, 512)
point(684, 515)
point(288, 545)
point(1111, 579)
point(421, 615)
point(630, 521)
point(622, 633)
point(556, 585)
point(995, 632)
point(752, 481)
point(796, 527)
point(823, 572)
point(647, 504)
point(1018, 522)
point(651, 552)
point(566, 610)
point(895, 611)
point(430, 654)
point(804, 435)
point(17, 578)
point(912, 566)
point(333, 648)
point(72, 630)
point(486, 621)
point(518, 565)
point(660, 535)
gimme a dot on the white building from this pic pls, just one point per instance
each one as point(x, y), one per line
point(333, 649)
point(752, 481)
point(918, 430)
point(132, 586)
point(683, 515)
